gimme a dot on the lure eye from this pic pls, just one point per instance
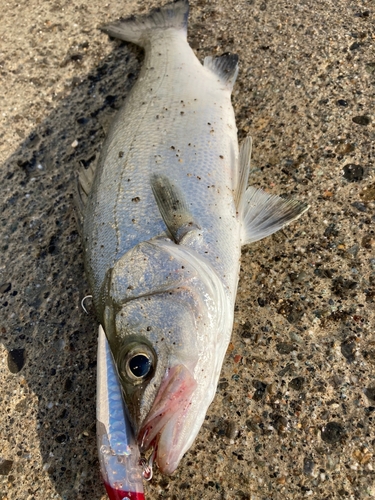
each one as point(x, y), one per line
point(140, 365)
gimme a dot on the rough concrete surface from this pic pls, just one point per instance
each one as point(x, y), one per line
point(294, 412)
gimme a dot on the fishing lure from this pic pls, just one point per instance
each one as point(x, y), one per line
point(119, 457)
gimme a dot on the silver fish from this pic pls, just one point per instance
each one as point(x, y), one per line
point(165, 214)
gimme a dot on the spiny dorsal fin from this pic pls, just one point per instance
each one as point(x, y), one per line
point(224, 66)
point(263, 214)
point(137, 29)
point(243, 171)
point(172, 207)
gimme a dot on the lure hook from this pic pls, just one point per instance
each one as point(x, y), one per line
point(147, 467)
point(83, 302)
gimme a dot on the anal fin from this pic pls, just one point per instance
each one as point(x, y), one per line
point(173, 207)
point(263, 214)
point(244, 171)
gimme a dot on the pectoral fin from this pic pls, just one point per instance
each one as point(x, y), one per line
point(263, 214)
point(173, 207)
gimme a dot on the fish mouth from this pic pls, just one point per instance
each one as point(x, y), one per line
point(163, 428)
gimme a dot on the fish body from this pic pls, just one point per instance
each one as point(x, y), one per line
point(178, 122)
point(167, 211)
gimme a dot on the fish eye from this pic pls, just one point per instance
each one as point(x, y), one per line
point(139, 365)
point(137, 362)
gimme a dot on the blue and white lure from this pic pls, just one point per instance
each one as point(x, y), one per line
point(119, 457)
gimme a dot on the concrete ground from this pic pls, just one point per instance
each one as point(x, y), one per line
point(294, 413)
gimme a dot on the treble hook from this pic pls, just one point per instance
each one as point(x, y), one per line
point(147, 466)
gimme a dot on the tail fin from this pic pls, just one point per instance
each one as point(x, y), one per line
point(137, 29)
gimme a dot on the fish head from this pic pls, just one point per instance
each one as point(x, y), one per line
point(162, 321)
point(155, 352)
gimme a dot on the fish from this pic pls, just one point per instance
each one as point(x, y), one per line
point(165, 212)
point(119, 457)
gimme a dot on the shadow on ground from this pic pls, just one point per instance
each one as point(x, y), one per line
point(50, 341)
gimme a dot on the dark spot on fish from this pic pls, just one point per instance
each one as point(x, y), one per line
point(120, 154)
point(208, 123)
point(136, 199)
point(157, 117)
point(172, 147)
point(199, 178)
point(182, 113)
point(222, 157)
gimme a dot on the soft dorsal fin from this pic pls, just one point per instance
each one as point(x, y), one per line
point(243, 171)
point(173, 207)
point(263, 214)
point(224, 66)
